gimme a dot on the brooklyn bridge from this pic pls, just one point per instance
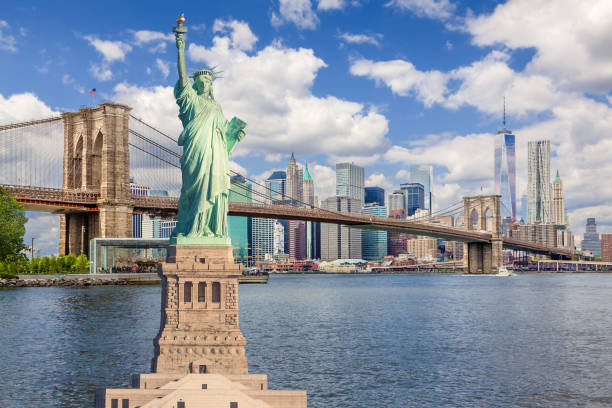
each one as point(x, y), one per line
point(80, 164)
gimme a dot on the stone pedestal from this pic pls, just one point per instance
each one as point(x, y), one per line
point(199, 330)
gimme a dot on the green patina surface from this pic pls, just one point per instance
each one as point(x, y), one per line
point(208, 141)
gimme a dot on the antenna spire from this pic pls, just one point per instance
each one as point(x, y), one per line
point(504, 112)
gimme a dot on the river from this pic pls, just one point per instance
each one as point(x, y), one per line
point(349, 340)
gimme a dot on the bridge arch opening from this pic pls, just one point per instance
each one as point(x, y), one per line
point(474, 219)
point(96, 161)
point(77, 168)
point(489, 219)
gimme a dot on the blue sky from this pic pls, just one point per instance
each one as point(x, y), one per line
point(385, 84)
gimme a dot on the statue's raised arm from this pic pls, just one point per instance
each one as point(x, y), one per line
point(179, 32)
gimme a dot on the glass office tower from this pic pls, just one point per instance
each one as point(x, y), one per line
point(505, 172)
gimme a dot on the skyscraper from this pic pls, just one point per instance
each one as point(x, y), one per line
point(293, 186)
point(313, 229)
point(397, 204)
point(275, 186)
point(373, 242)
point(539, 206)
point(558, 202)
point(375, 195)
point(415, 197)
point(262, 238)
point(591, 241)
point(505, 171)
point(297, 239)
point(239, 228)
point(340, 241)
point(423, 174)
point(350, 181)
point(308, 191)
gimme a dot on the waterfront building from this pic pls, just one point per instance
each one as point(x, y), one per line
point(415, 197)
point(558, 201)
point(591, 241)
point(374, 242)
point(163, 228)
point(239, 228)
point(294, 182)
point(340, 241)
point(278, 240)
point(423, 174)
point(505, 171)
point(375, 195)
point(539, 233)
point(539, 205)
point(275, 186)
point(423, 248)
point(313, 229)
point(350, 181)
point(262, 238)
point(606, 247)
point(454, 250)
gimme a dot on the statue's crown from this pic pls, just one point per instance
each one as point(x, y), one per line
point(207, 73)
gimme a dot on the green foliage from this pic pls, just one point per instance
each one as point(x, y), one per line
point(12, 227)
point(81, 265)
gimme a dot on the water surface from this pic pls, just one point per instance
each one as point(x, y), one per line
point(349, 340)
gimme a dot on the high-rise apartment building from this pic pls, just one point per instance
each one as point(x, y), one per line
point(606, 247)
point(539, 204)
point(239, 228)
point(558, 201)
point(423, 174)
point(397, 204)
point(297, 239)
point(375, 195)
point(523, 212)
point(293, 186)
point(591, 241)
point(275, 186)
point(278, 240)
point(415, 197)
point(374, 242)
point(262, 238)
point(505, 171)
point(340, 241)
point(350, 181)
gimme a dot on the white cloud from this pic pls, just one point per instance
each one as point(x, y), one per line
point(449, 45)
point(571, 39)
point(68, 80)
point(404, 79)
point(379, 180)
point(271, 91)
point(7, 41)
point(143, 37)
point(372, 39)
point(101, 72)
point(163, 66)
point(241, 36)
point(437, 9)
point(325, 5)
point(298, 12)
point(324, 179)
point(110, 50)
point(23, 107)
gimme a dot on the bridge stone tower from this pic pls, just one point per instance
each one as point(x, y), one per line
point(482, 213)
point(97, 159)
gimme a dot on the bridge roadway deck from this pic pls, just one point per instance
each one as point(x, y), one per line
point(62, 201)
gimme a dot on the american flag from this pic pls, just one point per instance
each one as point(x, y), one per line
point(92, 91)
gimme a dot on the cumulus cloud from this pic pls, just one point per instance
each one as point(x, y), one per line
point(240, 34)
point(271, 90)
point(298, 12)
point(380, 180)
point(44, 228)
point(436, 9)
point(325, 5)
point(570, 37)
point(146, 37)
point(372, 39)
point(404, 79)
point(68, 80)
point(101, 72)
point(110, 50)
point(324, 178)
point(7, 41)
point(23, 107)
point(163, 66)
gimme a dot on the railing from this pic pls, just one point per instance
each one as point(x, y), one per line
point(53, 194)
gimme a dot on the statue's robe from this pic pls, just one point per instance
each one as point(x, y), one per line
point(208, 140)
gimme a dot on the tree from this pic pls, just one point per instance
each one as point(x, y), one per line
point(12, 227)
point(81, 265)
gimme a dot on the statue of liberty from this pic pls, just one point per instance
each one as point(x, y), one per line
point(208, 140)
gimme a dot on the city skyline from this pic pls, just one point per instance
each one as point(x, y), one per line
point(362, 87)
